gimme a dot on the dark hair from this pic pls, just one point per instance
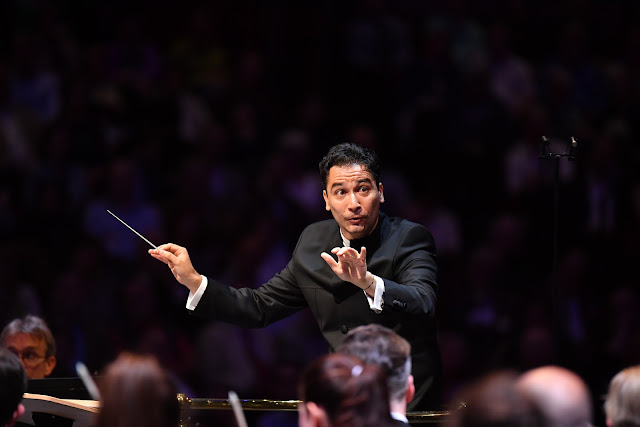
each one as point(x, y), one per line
point(137, 392)
point(351, 393)
point(348, 153)
point(32, 325)
point(381, 346)
point(13, 383)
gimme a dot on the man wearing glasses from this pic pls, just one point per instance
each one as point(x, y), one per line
point(30, 339)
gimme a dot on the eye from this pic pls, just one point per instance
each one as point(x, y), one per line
point(29, 355)
point(364, 189)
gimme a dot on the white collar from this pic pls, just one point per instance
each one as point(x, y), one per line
point(345, 242)
point(400, 417)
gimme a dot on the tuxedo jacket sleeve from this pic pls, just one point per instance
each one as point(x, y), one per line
point(401, 252)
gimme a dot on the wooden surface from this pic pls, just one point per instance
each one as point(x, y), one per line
point(83, 412)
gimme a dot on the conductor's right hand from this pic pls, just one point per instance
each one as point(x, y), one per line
point(177, 258)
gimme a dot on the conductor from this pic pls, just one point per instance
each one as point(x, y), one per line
point(358, 268)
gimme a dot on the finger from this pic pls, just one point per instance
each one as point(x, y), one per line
point(168, 256)
point(363, 253)
point(170, 247)
point(350, 252)
point(335, 250)
point(347, 269)
point(329, 260)
point(158, 257)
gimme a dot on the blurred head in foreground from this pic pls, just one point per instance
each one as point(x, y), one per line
point(494, 400)
point(13, 383)
point(338, 390)
point(622, 404)
point(382, 346)
point(136, 391)
point(562, 396)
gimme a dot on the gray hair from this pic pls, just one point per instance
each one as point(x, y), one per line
point(622, 405)
point(379, 345)
point(33, 325)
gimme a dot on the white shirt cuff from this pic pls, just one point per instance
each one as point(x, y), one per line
point(194, 298)
point(375, 303)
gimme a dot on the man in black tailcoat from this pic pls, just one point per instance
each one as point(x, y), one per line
point(358, 268)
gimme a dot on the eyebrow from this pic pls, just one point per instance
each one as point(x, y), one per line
point(29, 347)
point(360, 181)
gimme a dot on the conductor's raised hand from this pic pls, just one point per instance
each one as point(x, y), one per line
point(351, 266)
point(177, 258)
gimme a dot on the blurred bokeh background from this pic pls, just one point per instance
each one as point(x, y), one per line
point(202, 123)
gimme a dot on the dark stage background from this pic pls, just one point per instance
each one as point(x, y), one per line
point(203, 123)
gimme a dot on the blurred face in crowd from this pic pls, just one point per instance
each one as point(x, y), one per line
point(32, 351)
point(354, 198)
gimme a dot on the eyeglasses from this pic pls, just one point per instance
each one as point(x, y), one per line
point(29, 358)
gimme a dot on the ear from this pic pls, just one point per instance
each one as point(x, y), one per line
point(326, 200)
point(411, 389)
point(16, 414)
point(49, 365)
point(380, 189)
point(317, 416)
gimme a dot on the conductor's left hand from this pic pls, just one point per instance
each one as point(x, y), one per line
point(177, 258)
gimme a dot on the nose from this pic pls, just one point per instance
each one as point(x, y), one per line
point(354, 203)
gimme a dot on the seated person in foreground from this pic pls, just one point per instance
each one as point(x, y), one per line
point(495, 400)
point(379, 345)
point(562, 396)
point(136, 391)
point(13, 383)
point(338, 390)
point(622, 404)
point(32, 341)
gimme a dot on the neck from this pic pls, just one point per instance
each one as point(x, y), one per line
point(398, 407)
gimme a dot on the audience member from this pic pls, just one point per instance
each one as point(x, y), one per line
point(494, 400)
point(32, 341)
point(136, 391)
point(379, 345)
point(622, 405)
point(340, 390)
point(13, 383)
point(561, 395)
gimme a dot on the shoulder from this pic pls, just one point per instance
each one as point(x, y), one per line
point(325, 226)
point(392, 224)
point(404, 230)
point(318, 237)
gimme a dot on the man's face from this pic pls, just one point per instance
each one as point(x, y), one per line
point(31, 350)
point(354, 200)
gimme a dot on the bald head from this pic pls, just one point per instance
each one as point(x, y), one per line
point(563, 397)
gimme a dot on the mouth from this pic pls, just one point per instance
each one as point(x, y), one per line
point(355, 220)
